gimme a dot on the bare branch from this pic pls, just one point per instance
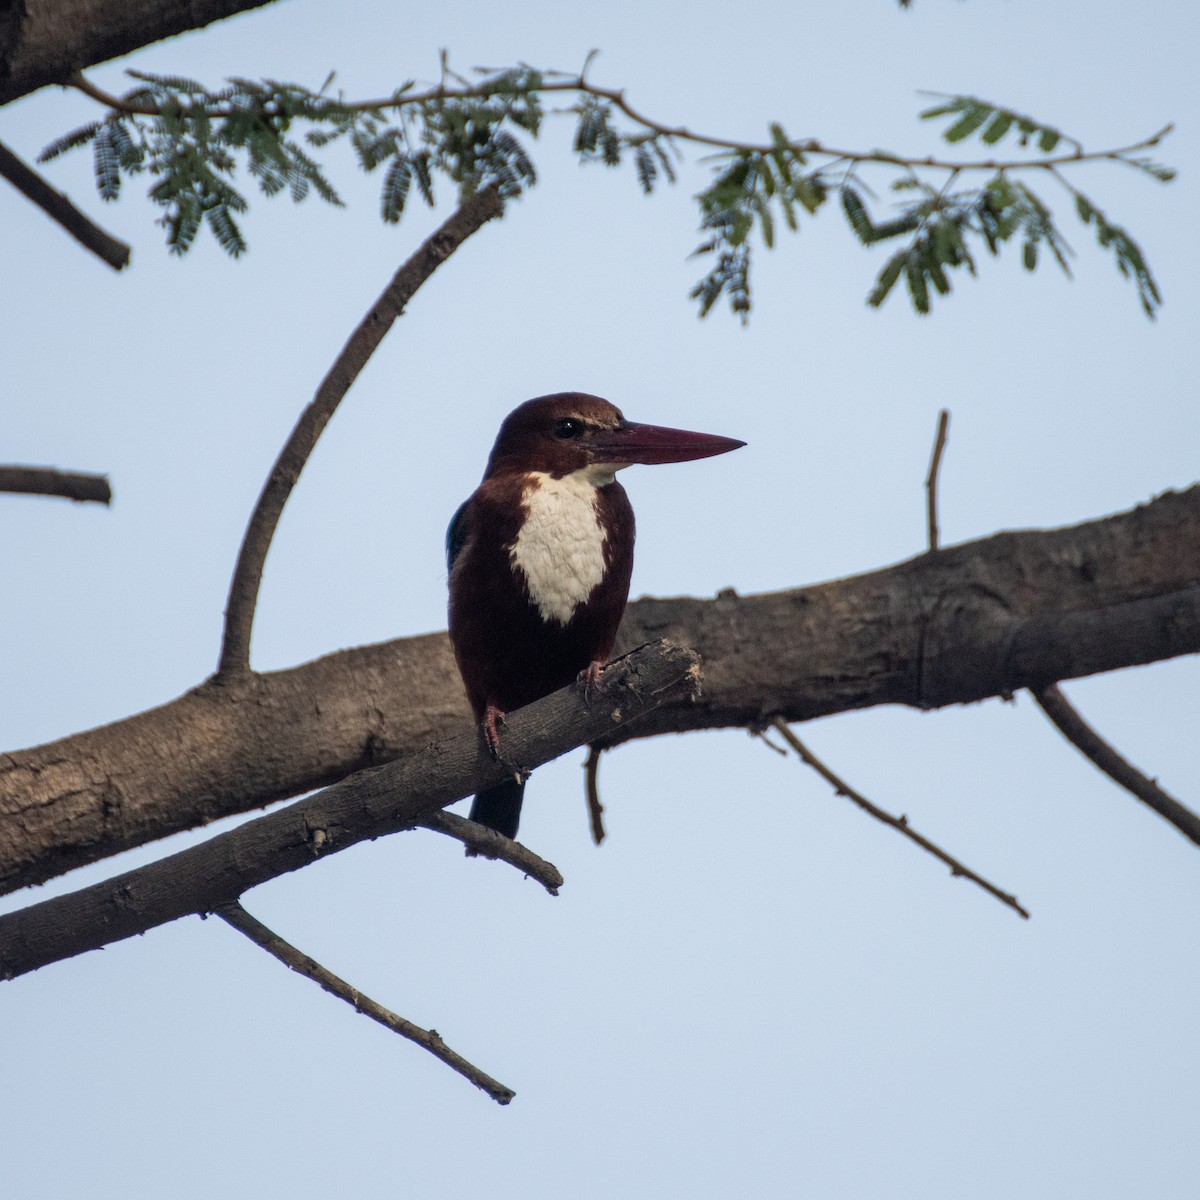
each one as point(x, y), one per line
point(1119, 769)
point(487, 843)
point(469, 217)
point(900, 824)
point(429, 1039)
point(931, 480)
point(369, 804)
point(592, 788)
point(78, 224)
point(981, 619)
point(49, 481)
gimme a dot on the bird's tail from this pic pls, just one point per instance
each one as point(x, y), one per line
point(499, 808)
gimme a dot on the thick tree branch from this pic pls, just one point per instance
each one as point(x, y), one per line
point(49, 481)
point(77, 223)
point(981, 619)
point(368, 804)
point(48, 41)
point(429, 1039)
point(469, 217)
point(1085, 739)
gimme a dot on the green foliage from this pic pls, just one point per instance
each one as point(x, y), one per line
point(944, 224)
point(749, 190)
point(1001, 212)
point(190, 148)
point(473, 133)
point(596, 137)
point(1130, 261)
point(600, 138)
point(975, 115)
point(192, 140)
point(730, 275)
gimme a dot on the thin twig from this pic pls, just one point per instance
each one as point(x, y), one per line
point(54, 204)
point(591, 769)
point(931, 480)
point(900, 824)
point(1119, 769)
point(49, 481)
point(481, 840)
point(616, 97)
point(469, 217)
point(428, 1039)
point(761, 734)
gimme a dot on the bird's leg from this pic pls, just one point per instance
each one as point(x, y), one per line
point(589, 679)
point(492, 718)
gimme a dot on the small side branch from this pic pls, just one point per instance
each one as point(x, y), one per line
point(592, 787)
point(55, 205)
point(469, 217)
point(487, 843)
point(48, 481)
point(900, 824)
point(429, 1039)
point(1085, 739)
point(931, 480)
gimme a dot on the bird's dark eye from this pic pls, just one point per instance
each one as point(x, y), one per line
point(568, 427)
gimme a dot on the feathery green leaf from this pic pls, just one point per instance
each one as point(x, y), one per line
point(887, 278)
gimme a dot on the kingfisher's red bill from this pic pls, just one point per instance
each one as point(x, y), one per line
point(540, 558)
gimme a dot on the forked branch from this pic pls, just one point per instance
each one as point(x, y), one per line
point(986, 618)
point(369, 804)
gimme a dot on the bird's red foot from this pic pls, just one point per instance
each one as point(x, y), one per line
point(492, 718)
point(589, 679)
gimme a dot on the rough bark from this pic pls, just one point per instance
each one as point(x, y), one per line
point(47, 41)
point(369, 804)
point(981, 619)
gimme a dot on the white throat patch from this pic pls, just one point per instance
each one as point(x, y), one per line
point(560, 549)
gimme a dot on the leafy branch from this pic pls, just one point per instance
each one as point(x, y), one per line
point(943, 224)
point(1000, 211)
point(473, 134)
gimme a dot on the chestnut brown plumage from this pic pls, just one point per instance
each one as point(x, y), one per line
point(540, 558)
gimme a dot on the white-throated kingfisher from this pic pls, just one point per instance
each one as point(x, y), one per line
point(540, 558)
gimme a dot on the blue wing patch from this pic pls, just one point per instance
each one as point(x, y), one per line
point(456, 535)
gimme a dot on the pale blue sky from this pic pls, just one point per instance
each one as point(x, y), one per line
point(751, 989)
